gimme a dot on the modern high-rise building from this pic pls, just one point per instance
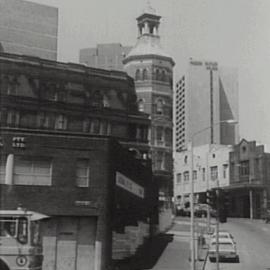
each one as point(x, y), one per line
point(28, 28)
point(106, 56)
point(205, 98)
point(152, 70)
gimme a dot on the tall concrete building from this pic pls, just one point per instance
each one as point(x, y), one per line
point(152, 70)
point(106, 56)
point(28, 28)
point(204, 98)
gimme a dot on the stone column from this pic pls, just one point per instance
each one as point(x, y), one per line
point(9, 169)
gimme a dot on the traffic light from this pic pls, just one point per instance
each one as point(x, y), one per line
point(211, 198)
point(223, 205)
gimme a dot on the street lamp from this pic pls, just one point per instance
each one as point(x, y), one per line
point(192, 235)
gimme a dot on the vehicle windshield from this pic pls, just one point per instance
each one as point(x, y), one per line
point(22, 230)
point(15, 227)
point(7, 227)
point(35, 233)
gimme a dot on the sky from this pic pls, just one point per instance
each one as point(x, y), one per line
point(235, 33)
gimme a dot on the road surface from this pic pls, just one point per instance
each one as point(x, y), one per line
point(253, 245)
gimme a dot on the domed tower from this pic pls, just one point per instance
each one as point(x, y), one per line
point(152, 70)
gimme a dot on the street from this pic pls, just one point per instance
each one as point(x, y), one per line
point(253, 244)
point(252, 239)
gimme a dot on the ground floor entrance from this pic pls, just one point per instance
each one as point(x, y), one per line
point(247, 203)
point(69, 243)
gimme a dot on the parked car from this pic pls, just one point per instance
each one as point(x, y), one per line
point(221, 235)
point(227, 250)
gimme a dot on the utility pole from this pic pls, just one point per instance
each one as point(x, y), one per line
point(192, 236)
point(217, 231)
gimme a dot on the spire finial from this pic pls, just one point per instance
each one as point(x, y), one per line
point(149, 9)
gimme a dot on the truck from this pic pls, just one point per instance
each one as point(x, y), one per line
point(20, 241)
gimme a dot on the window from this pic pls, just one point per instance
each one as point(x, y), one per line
point(28, 119)
point(168, 137)
point(32, 171)
point(13, 118)
point(145, 74)
point(106, 102)
point(159, 134)
point(141, 105)
point(244, 168)
point(42, 120)
point(168, 162)
point(104, 127)
point(75, 124)
point(95, 126)
point(159, 105)
point(203, 174)
point(2, 169)
point(178, 178)
point(157, 74)
point(194, 175)
point(82, 173)
point(214, 173)
point(61, 122)
point(138, 75)
point(163, 76)
point(225, 168)
point(186, 176)
point(159, 161)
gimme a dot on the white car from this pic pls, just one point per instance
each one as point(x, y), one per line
point(222, 234)
point(226, 250)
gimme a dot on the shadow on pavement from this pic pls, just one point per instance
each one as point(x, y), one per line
point(147, 255)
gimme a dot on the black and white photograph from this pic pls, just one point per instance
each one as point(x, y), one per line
point(134, 135)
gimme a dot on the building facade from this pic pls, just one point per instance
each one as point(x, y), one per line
point(152, 70)
point(60, 124)
point(204, 97)
point(28, 28)
point(249, 180)
point(210, 170)
point(105, 56)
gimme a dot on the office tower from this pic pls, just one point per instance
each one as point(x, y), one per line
point(204, 98)
point(28, 28)
point(106, 56)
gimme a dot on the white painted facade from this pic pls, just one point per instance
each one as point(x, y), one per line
point(210, 169)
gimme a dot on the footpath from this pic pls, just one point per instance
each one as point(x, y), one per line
point(167, 251)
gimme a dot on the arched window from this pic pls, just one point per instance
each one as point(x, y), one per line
point(145, 74)
point(159, 104)
point(163, 75)
point(138, 75)
point(157, 74)
point(141, 105)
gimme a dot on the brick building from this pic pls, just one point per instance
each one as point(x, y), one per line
point(249, 180)
point(152, 70)
point(59, 156)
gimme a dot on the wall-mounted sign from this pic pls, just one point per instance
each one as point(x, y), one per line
point(82, 203)
point(127, 184)
point(18, 142)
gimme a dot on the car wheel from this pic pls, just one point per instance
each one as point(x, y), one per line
point(212, 259)
point(237, 259)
